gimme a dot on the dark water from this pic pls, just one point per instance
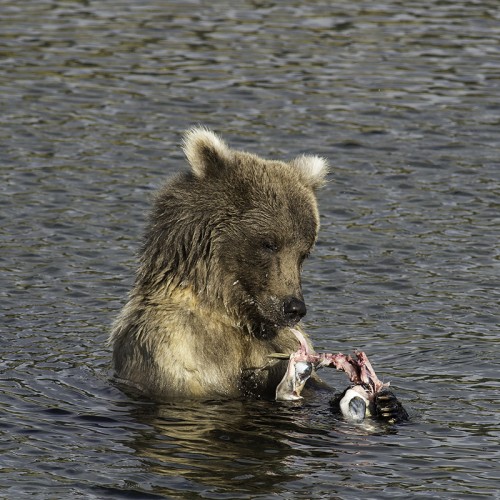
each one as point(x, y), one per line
point(403, 98)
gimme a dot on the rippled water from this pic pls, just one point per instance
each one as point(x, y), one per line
point(402, 98)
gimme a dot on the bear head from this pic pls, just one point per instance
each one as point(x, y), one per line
point(234, 231)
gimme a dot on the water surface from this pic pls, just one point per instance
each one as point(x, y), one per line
point(403, 100)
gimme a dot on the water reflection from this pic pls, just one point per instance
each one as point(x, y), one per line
point(228, 445)
point(244, 446)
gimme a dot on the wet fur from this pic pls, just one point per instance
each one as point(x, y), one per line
point(224, 247)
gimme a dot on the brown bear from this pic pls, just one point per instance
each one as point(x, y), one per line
point(218, 287)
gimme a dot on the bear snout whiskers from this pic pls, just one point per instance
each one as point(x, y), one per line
point(294, 309)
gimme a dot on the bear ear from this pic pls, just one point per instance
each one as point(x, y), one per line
point(313, 170)
point(205, 151)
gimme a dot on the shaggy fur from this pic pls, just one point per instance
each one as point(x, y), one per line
point(218, 286)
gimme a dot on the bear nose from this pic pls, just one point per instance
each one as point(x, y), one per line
point(294, 309)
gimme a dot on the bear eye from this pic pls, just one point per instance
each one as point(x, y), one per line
point(270, 246)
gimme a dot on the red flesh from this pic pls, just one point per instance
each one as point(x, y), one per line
point(359, 370)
